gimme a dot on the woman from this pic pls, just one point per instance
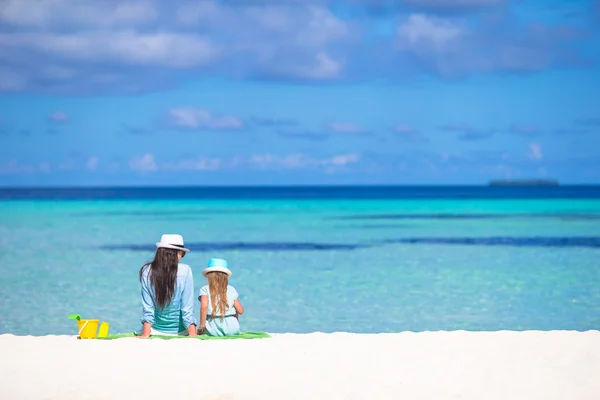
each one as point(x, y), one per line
point(220, 305)
point(168, 291)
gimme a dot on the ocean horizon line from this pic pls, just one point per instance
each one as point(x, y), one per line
point(298, 186)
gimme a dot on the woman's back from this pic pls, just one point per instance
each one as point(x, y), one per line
point(173, 317)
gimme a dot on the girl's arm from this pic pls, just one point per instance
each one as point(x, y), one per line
point(203, 312)
point(238, 306)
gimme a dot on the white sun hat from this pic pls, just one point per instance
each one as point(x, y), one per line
point(170, 241)
point(217, 265)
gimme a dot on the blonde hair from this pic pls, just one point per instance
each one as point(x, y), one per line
point(217, 286)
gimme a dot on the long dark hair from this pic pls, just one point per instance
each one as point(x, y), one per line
point(162, 275)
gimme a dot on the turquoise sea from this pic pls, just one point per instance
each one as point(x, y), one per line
point(312, 259)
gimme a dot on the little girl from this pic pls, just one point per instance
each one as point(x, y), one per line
point(219, 303)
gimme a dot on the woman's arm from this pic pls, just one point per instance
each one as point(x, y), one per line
point(147, 308)
point(146, 330)
point(187, 304)
point(238, 306)
point(203, 312)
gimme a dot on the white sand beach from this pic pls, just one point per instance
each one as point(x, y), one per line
point(430, 365)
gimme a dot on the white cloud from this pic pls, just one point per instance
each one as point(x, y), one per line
point(288, 42)
point(342, 160)
point(85, 13)
point(92, 163)
point(295, 161)
point(309, 25)
point(144, 163)
point(453, 4)
point(176, 50)
point(318, 67)
point(324, 67)
point(197, 164)
point(60, 42)
point(535, 151)
point(201, 118)
point(128, 46)
point(198, 13)
point(450, 47)
point(320, 25)
point(59, 116)
point(267, 161)
point(422, 31)
point(346, 127)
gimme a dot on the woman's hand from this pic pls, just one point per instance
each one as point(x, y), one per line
point(201, 329)
point(145, 331)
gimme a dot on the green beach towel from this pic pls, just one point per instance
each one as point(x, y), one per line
point(243, 335)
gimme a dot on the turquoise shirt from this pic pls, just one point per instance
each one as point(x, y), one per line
point(179, 314)
point(222, 326)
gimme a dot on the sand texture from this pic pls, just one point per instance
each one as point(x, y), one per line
point(429, 365)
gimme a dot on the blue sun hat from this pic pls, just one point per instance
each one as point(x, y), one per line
point(217, 265)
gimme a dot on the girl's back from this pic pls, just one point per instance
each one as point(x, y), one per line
point(220, 306)
point(232, 296)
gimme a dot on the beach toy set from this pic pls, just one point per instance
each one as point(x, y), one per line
point(88, 328)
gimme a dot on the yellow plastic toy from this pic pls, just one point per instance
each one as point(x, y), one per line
point(103, 332)
point(88, 328)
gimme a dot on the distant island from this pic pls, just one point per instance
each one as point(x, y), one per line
point(524, 182)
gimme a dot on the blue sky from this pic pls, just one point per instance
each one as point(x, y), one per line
point(298, 92)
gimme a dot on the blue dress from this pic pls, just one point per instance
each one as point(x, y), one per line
point(218, 326)
point(177, 316)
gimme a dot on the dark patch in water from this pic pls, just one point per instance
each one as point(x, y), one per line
point(304, 192)
point(562, 216)
point(166, 213)
point(375, 226)
point(413, 216)
point(244, 246)
point(535, 241)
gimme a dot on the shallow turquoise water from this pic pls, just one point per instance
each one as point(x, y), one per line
point(56, 258)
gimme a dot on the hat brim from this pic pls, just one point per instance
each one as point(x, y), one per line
point(170, 246)
point(217, 269)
